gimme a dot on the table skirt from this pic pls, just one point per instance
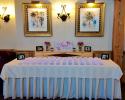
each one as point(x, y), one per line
point(62, 87)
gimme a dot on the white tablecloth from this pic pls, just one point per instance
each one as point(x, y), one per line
point(61, 68)
point(65, 67)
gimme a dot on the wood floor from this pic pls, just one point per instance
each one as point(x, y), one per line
point(123, 96)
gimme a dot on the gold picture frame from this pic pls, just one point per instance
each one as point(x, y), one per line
point(37, 19)
point(90, 19)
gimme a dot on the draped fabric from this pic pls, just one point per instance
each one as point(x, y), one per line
point(62, 87)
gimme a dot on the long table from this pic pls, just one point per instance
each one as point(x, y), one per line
point(65, 77)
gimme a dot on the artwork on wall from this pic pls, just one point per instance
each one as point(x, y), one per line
point(37, 19)
point(90, 19)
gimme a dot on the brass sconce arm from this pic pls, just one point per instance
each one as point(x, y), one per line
point(63, 15)
point(4, 17)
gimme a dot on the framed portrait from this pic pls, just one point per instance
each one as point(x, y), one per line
point(20, 56)
point(39, 48)
point(105, 56)
point(37, 19)
point(87, 48)
point(90, 19)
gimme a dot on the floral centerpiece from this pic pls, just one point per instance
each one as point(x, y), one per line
point(63, 45)
point(48, 44)
point(80, 45)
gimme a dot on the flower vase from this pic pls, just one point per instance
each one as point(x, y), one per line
point(47, 48)
point(74, 49)
point(80, 48)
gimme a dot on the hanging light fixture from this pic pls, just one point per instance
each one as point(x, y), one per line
point(63, 15)
point(4, 17)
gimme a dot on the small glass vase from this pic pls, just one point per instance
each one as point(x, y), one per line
point(80, 48)
point(52, 49)
point(47, 48)
point(74, 49)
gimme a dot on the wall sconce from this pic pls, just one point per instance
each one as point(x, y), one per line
point(90, 1)
point(4, 17)
point(63, 15)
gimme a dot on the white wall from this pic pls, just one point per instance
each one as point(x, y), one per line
point(8, 30)
point(62, 31)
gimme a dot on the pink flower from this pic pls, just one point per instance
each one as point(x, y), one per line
point(47, 43)
point(80, 43)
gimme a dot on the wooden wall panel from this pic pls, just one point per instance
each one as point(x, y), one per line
point(27, 53)
point(98, 53)
point(123, 10)
point(7, 49)
point(31, 53)
point(123, 68)
point(118, 31)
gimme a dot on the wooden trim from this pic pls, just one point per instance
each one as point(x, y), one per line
point(32, 52)
point(24, 50)
point(28, 53)
point(7, 49)
point(63, 54)
point(95, 53)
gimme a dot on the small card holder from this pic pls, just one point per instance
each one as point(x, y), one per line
point(39, 48)
point(20, 56)
point(87, 48)
point(105, 56)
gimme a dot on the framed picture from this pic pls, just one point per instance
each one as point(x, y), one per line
point(39, 48)
point(87, 48)
point(90, 19)
point(105, 56)
point(20, 56)
point(37, 19)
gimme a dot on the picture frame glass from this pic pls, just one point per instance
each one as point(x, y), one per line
point(37, 19)
point(90, 19)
